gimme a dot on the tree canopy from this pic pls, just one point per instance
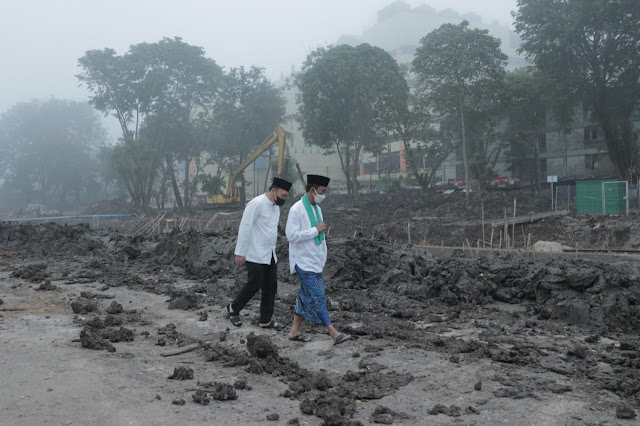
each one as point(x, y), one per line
point(349, 97)
point(158, 92)
point(590, 48)
point(460, 70)
point(49, 147)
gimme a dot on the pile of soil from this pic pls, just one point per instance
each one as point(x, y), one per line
point(50, 239)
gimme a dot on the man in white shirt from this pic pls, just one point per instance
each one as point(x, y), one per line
point(256, 247)
point(307, 257)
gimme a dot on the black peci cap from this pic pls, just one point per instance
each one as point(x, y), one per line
point(318, 180)
point(281, 183)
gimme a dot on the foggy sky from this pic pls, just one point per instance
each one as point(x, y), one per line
point(41, 40)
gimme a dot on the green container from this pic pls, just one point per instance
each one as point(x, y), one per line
point(589, 197)
point(614, 194)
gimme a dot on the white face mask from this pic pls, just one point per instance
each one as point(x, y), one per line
point(317, 197)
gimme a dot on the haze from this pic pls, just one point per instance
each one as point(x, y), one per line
point(41, 41)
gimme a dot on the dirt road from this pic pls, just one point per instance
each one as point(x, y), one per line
point(488, 340)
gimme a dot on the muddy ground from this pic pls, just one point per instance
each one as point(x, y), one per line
point(87, 318)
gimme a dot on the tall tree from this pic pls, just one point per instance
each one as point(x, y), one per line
point(459, 70)
point(124, 87)
point(160, 89)
point(347, 97)
point(188, 84)
point(50, 147)
point(249, 109)
point(591, 48)
point(427, 141)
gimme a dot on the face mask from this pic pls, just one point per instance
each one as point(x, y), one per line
point(280, 201)
point(318, 198)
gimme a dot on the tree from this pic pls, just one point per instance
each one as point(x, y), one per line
point(124, 87)
point(160, 89)
point(188, 84)
point(50, 147)
point(590, 48)
point(249, 109)
point(348, 97)
point(458, 70)
point(137, 162)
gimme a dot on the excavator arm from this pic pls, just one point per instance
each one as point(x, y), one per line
point(279, 135)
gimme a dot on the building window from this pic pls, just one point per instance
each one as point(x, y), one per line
point(590, 136)
point(591, 161)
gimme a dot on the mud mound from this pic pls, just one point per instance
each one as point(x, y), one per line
point(184, 301)
point(581, 292)
point(50, 240)
point(429, 203)
point(84, 306)
point(219, 391)
point(261, 346)
point(202, 255)
point(92, 336)
point(333, 409)
point(35, 273)
point(181, 373)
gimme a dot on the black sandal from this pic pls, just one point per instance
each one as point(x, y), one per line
point(235, 318)
point(300, 338)
point(273, 324)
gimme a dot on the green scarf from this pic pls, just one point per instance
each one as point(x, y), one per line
point(307, 206)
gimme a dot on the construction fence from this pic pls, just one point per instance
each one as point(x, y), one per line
point(597, 197)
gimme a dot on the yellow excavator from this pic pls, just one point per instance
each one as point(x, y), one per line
point(233, 192)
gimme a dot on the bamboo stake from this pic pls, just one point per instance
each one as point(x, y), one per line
point(409, 231)
point(506, 228)
point(524, 237)
point(513, 226)
point(500, 241)
point(491, 243)
point(483, 238)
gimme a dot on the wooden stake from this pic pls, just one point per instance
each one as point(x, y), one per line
point(409, 232)
point(442, 242)
point(483, 238)
point(491, 243)
point(500, 241)
point(506, 228)
point(470, 249)
point(524, 237)
point(513, 226)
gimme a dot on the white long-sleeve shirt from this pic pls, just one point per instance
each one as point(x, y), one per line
point(303, 250)
point(258, 232)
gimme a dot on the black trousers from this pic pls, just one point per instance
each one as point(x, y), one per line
point(260, 277)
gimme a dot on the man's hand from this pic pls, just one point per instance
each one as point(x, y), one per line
point(321, 227)
point(240, 261)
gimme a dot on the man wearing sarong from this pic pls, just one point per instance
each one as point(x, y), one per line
point(307, 257)
point(256, 247)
